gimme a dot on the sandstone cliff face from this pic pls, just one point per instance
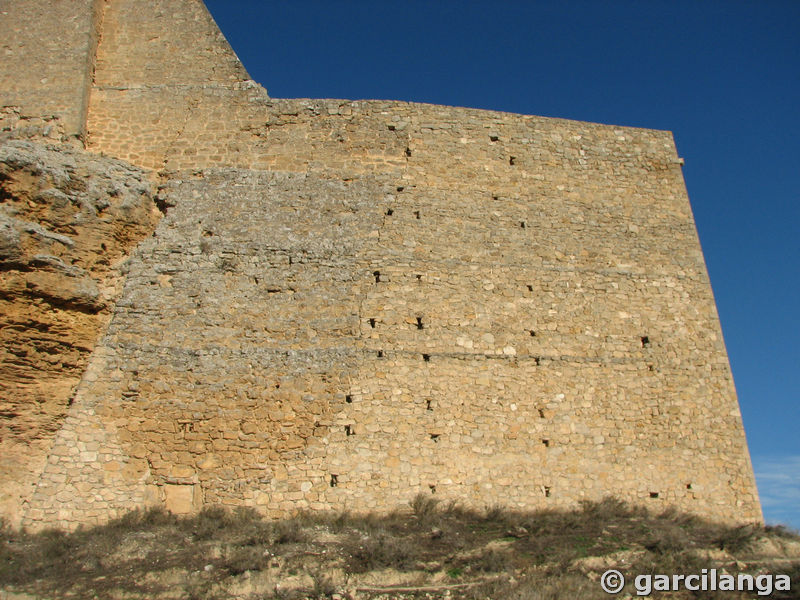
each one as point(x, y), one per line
point(68, 219)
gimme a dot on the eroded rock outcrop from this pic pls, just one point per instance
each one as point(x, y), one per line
point(68, 219)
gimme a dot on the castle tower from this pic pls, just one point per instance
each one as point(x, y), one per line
point(348, 303)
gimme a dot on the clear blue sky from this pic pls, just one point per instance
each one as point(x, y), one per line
point(724, 76)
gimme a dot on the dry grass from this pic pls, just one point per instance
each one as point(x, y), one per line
point(496, 553)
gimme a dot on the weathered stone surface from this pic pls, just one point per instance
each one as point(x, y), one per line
point(348, 303)
point(48, 53)
point(67, 219)
point(179, 499)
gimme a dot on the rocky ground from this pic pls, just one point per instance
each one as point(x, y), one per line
point(431, 551)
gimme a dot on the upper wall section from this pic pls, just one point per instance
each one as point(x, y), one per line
point(55, 55)
point(46, 51)
point(163, 42)
point(155, 61)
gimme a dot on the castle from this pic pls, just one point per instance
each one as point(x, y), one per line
point(211, 296)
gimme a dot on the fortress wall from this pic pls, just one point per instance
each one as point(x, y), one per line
point(256, 387)
point(163, 42)
point(266, 351)
point(160, 65)
point(238, 126)
point(47, 50)
point(348, 303)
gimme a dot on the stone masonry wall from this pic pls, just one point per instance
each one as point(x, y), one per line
point(144, 68)
point(47, 52)
point(349, 303)
point(484, 306)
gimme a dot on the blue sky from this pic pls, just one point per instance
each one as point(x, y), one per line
point(723, 76)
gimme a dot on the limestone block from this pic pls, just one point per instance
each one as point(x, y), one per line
point(180, 499)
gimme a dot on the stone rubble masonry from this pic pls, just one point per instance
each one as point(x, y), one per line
point(47, 51)
point(349, 303)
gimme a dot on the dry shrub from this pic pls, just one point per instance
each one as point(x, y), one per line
point(289, 532)
point(540, 549)
point(562, 587)
point(735, 539)
point(382, 551)
point(424, 506)
point(248, 558)
point(493, 561)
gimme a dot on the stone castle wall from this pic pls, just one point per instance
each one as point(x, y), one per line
point(48, 56)
point(349, 303)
